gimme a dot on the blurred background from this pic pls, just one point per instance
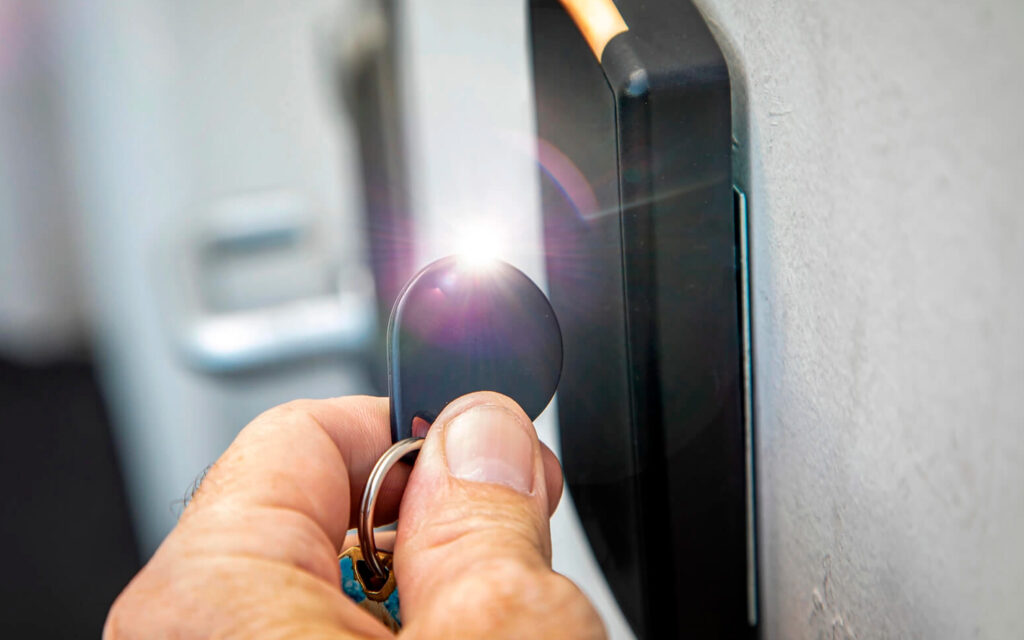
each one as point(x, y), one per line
point(208, 206)
point(194, 197)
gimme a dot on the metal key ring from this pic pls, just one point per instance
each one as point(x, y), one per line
point(373, 486)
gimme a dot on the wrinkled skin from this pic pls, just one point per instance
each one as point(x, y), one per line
point(255, 552)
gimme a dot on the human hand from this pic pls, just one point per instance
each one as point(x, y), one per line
point(255, 552)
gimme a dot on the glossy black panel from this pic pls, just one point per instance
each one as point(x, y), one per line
point(463, 325)
point(647, 292)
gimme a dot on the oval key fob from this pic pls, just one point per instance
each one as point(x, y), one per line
point(461, 326)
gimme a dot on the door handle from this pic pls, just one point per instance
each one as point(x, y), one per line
point(258, 283)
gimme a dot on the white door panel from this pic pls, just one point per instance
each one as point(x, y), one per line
point(171, 106)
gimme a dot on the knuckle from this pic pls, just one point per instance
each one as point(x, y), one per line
point(498, 592)
point(510, 578)
point(572, 607)
point(290, 418)
point(284, 413)
point(483, 527)
point(505, 597)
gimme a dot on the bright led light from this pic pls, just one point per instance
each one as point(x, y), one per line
point(478, 242)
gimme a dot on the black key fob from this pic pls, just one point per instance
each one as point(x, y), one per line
point(461, 326)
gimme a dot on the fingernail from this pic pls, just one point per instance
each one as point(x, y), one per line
point(486, 443)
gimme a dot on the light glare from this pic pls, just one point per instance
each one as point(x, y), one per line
point(478, 243)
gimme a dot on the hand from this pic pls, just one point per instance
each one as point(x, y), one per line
point(255, 552)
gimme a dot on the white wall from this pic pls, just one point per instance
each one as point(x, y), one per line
point(167, 107)
point(885, 143)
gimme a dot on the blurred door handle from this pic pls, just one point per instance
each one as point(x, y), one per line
point(236, 341)
point(259, 285)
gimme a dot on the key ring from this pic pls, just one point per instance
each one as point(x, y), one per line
point(373, 486)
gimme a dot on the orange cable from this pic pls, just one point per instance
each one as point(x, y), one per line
point(598, 20)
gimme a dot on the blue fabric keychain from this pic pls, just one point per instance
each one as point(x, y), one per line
point(457, 327)
point(381, 603)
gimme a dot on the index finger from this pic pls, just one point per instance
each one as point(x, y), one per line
point(310, 457)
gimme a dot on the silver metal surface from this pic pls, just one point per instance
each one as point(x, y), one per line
point(373, 485)
point(258, 283)
point(748, 401)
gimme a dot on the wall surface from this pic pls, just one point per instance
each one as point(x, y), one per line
point(884, 143)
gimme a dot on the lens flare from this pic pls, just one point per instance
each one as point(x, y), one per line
point(478, 243)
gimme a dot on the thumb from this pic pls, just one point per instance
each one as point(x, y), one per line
point(473, 553)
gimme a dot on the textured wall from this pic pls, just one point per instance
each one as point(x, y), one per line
point(885, 144)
